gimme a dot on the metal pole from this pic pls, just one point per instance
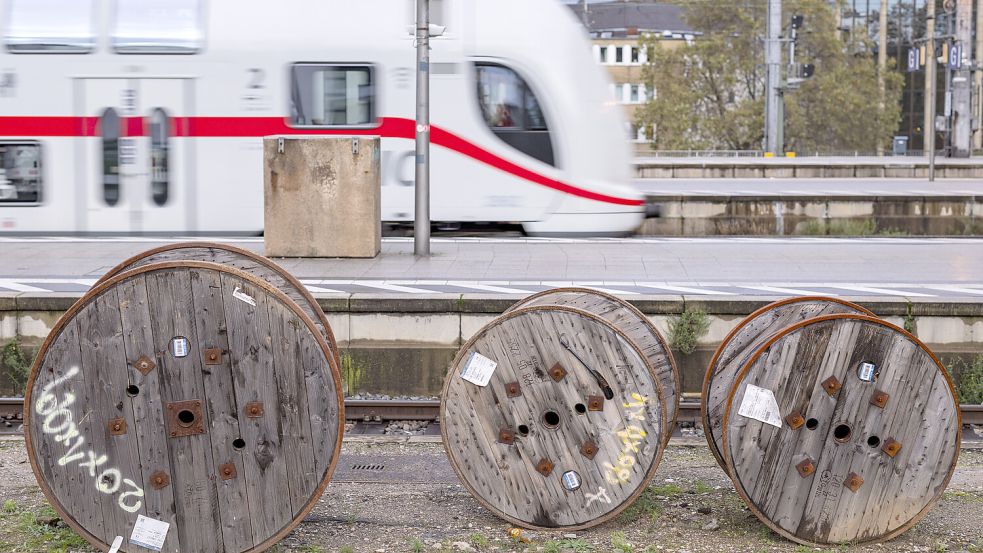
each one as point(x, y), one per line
point(978, 76)
point(928, 126)
point(421, 221)
point(881, 64)
point(773, 65)
point(962, 86)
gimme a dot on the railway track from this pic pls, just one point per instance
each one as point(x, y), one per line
point(371, 411)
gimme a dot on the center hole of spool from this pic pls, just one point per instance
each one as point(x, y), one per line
point(842, 432)
point(551, 419)
point(185, 418)
point(811, 424)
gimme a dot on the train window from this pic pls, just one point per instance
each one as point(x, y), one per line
point(512, 111)
point(331, 95)
point(158, 26)
point(20, 172)
point(109, 128)
point(159, 160)
point(50, 26)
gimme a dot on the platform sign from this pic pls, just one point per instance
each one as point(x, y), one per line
point(955, 56)
point(914, 60)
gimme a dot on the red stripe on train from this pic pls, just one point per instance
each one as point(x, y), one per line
point(389, 127)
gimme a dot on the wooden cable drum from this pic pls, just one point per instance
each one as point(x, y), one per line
point(743, 340)
point(634, 323)
point(552, 417)
point(841, 429)
point(190, 393)
point(244, 260)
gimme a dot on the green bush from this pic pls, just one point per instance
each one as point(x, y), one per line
point(686, 330)
point(16, 364)
point(969, 380)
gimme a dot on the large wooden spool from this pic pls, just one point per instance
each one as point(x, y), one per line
point(632, 322)
point(188, 392)
point(568, 429)
point(863, 434)
point(244, 260)
point(743, 340)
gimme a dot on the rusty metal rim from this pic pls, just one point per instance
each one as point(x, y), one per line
point(670, 424)
point(643, 485)
point(101, 287)
point(712, 367)
point(263, 260)
point(738, 486)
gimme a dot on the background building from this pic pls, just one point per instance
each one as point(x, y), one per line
point(615, 29)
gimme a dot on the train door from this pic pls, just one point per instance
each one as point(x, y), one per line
point(131, 156)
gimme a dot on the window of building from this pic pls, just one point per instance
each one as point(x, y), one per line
point(109, 130)
point(159, 159)
point(158, 26)
point(50, 26)
point(512, 111)
point(331, 95)
point(20, 172)
point(634, 54)
point(603, 54)
point(619, 55)
point(634, 94)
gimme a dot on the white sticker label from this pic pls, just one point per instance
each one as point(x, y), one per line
point(242, 296)
point(478, 369)
point(866, 372)
point(149, 533)
point(760, 404)
point(179, 347)
point(117, 543)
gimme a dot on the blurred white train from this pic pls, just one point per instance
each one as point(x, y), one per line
point(146, 116)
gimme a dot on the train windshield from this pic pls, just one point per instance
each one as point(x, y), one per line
point(512, 112)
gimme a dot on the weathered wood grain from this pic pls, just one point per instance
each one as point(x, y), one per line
point(921, 413)
point(632, 322)
point(627, 430)
point(243, 260)
point(743, 340)
point(110, 360)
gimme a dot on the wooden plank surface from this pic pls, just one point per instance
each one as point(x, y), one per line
point(627, 431)
point(241, 259)
point(247, 342)
point(921, 413)
point(633, 323)
point(753, 331)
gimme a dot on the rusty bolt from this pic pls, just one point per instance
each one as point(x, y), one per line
point(588, 450)
point(544, 467)
point(557, 373)
point(159, 480)
point(512, 389)
point(879, 398)
point(891, 447)
point(853, 482)
point(832, 385)
point(595, 403)
point(506, 436)
point(805, 467)
point(795, 420)
point(254, 409)
point(227, 471)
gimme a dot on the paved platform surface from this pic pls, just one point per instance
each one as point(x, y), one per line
point(874, 188)
point(902, 161)
point(719, 267)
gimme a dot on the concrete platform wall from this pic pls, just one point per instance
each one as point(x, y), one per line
point(819, 215)
point(402, 345)
point(803, 168)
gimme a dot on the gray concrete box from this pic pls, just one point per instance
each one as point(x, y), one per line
point(321, 196)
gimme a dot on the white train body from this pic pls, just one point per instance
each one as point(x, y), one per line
point(159, 129)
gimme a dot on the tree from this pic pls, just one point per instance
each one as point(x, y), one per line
point(710, 95)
